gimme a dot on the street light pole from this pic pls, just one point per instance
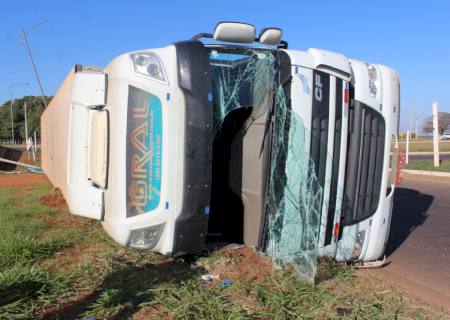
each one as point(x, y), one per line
point(11, 108)
point(12, 121)
point(435, 134)
point(24, 35)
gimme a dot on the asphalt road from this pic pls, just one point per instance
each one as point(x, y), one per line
point(419, 241)
point(428, 156)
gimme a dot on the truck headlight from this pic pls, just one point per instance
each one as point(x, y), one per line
point(148, 64)
point(146, 238)
point(373, 79)
point(359, 243)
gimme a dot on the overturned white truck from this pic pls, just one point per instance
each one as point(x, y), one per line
point(284, 150)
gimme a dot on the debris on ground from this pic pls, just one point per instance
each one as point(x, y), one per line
point(226, 283)
point(210, 277)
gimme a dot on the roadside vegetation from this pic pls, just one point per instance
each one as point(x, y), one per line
point(425, 146)
point(428, 165)
point(57, 266)
point(35, 107)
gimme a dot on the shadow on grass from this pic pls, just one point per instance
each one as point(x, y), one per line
point(126, 288)
point(409, 212)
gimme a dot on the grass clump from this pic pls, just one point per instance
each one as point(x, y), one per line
point(429, 166)
point(191, 300)
point(26, 239)
point(21, 289)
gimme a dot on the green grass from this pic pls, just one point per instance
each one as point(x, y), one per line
point(25, 240)
point(24, 289)
point(425, 146)
point(24, 237)
point(74, 270)
point(428, 166)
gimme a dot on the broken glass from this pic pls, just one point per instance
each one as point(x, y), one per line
point(241, 78)
point(295, 196)
point(250, 78)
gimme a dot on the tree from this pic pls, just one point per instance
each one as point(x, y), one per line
point(443, 123)
point(35, 107)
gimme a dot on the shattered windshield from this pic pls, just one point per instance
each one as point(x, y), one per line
point(250, 78)
point(241, 78)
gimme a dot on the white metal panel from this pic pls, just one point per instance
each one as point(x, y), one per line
point(301, 98)
point(120, 77)
point(360, 72)
point(55, 135)
point(331, 62)
point(300, 58)
point(98, 148)
point(329, 160)
point(88, 91)
point(389, 83)
point(342, 153)
point(65, 131)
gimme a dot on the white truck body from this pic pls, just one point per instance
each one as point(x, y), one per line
point(132, 145)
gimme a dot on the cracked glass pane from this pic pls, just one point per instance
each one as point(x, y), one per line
point(245, 78)
point(295, 196)
point(241, 79)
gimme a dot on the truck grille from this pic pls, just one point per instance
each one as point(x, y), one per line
point(364, 168)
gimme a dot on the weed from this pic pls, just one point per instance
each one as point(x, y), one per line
point(191, 300)
point(21, 289)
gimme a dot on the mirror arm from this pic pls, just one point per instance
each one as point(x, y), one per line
point(283, 45)
point(198, 36)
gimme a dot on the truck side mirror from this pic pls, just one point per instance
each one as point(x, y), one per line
point(270, 36)
point(235, 32)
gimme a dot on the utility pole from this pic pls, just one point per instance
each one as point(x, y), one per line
point(408, 135)
point(10, 87)
point(411, 111)
point(24, 35)
point(12, 120)
point(416, 130)
point(26, 129)
point(435, 135)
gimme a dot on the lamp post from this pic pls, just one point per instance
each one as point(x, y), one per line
point(24, 35)
point(435, 134)
point(11, 108)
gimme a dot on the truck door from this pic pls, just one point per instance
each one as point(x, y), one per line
point(87, 143)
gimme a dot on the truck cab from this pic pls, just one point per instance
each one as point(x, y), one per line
point(247, 142)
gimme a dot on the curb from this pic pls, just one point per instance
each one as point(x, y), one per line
point(428, 153)
point(427, 173)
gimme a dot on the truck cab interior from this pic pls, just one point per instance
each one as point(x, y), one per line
point(244, 80)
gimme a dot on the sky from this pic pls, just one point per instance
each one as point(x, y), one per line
point(412, 37)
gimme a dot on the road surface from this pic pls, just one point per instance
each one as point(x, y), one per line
point(419, 241)
point(427, 156)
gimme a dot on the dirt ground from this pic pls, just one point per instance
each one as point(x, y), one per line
point(55, 200)
point(241, 263)
point(22, 179)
